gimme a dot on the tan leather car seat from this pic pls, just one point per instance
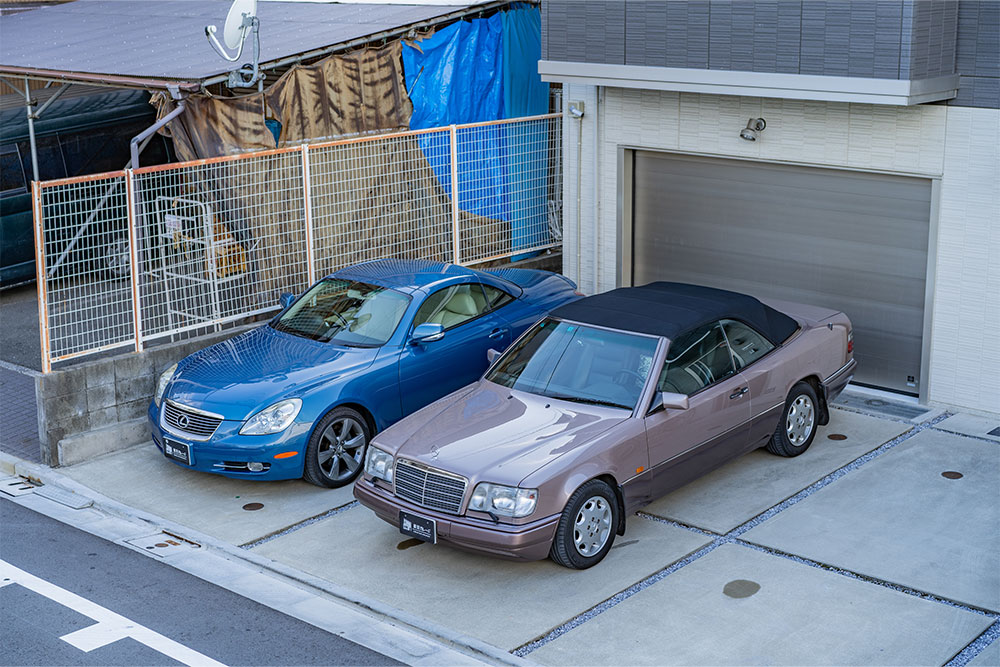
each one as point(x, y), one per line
point(459, 308)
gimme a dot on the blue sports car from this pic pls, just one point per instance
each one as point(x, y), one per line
point(302, 395)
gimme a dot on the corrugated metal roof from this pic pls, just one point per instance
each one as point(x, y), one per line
point(142, 39)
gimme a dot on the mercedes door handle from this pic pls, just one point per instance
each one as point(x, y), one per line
point(739, 392)
point(498, 333)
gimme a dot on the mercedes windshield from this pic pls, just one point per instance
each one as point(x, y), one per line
point(578, 363)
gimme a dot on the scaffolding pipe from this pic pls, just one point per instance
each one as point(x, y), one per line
point(31, 131)
point(55, 96)
point(134, 162)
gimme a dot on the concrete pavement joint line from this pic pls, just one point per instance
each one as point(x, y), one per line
point(298, 526)
point(719, 540)
point(109, 626)
point(617, 598)
point(968, 435)
point(976, 646)
point(873, 413)
point(833, 476)
point(923, 595)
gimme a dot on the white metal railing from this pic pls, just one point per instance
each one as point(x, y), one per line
point(130, 257)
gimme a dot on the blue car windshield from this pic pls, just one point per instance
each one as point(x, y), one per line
point(345, 312)
point(578, 363)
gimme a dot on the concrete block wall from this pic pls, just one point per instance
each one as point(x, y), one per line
point(955, 145)
point(100, 405)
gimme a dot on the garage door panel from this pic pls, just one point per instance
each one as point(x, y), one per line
point(868, 218)
point(815, 261)
point(852, 241)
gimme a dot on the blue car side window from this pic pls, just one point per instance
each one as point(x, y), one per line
point(452, 306)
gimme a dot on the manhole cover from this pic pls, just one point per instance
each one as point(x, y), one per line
point(951, 474)
point(876, 403)
point(837, 436)
point(252, 507)
point(741, 588)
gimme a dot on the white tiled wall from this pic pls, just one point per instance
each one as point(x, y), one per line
point(965, 341)
point(958, 145)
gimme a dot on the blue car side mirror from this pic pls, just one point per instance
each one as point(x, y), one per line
point(286, 299)
point(428, 332)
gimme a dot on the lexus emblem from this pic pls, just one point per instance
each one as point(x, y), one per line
point(183, 421)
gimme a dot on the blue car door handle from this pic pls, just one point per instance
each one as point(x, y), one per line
point(498, 333)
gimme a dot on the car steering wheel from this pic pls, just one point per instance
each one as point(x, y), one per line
point(344, 323)
point(622, 376)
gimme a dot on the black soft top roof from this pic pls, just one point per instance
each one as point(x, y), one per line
point(670, 309)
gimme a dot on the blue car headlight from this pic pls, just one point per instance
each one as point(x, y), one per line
point(161, 385)
point(273, 419)
point(379, 464)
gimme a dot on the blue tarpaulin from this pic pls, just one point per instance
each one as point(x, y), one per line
point(482, 70)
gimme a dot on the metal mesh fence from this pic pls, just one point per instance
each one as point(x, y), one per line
point(509, 190)
point(84, 267)
point(219, 240)
point(132, 257)
point(380, 198)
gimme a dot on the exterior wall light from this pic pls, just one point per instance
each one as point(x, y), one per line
point(753, 129)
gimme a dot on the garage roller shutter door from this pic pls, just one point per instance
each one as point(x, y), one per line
point(852, 241)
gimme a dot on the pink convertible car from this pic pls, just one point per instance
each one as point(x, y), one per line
point(607, 404)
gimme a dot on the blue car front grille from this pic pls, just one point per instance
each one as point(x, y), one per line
point(428, 487)
point(195, 424)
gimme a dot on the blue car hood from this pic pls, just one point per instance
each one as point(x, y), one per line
point(239, 376)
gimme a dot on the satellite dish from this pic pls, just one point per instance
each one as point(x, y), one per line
point(236, 28)
point(240, 22)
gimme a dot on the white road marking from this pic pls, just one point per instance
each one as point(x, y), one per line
point(110, 627)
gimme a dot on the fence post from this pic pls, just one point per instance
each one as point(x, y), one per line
point(43, 297)
point(133, 247)
point(455, 240)
point(307, 202)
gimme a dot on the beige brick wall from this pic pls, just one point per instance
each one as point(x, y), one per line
point(956, 146)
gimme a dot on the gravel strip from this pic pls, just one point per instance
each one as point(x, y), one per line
point(976, 646)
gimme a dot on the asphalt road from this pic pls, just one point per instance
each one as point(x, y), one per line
point(50, 572)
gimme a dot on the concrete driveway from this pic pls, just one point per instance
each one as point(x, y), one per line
point(858, 552)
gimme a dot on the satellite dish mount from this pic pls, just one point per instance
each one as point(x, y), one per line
point(240, 23)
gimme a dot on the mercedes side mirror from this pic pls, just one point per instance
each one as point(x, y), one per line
point(669, 400)
point(428, 332)
point(491, 355)
point(286, 299)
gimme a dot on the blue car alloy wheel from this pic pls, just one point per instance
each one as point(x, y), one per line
point(336, 451)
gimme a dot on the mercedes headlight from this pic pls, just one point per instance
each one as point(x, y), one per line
point(161, 385)
point(273, 419)
point(506, 500)
point(379, 464)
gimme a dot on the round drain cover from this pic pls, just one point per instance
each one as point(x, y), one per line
point(741, 588)
point(250, 507)
point(951, 474)
point(837, 436)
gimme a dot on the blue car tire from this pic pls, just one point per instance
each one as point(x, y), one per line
point(336, 451)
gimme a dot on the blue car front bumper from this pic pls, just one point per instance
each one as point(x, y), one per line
point(228, 453)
